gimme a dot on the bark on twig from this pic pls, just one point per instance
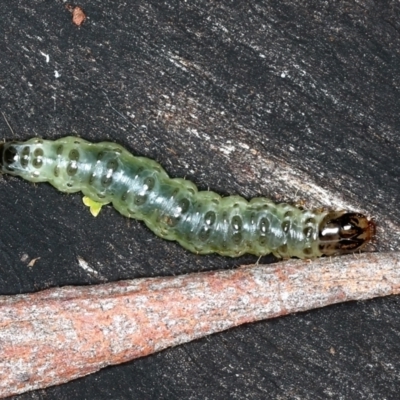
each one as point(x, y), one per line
point(57, 335)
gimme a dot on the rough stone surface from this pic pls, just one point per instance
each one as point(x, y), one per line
point(292, 100)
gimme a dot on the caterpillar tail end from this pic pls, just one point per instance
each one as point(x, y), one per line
point(345, 232)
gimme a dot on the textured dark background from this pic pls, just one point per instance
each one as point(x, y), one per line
point(296, 100)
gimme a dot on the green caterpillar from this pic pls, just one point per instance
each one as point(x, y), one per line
point(201, 221)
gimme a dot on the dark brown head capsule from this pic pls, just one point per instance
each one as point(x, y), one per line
point(343, 232)
point(8, 155)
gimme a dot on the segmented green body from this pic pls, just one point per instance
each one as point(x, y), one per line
point(201, 221)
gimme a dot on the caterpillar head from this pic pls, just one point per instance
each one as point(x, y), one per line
point(343, 232)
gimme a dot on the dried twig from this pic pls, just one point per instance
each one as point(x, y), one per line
point(60, 334)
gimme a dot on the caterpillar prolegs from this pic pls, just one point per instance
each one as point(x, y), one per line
point(201, 221)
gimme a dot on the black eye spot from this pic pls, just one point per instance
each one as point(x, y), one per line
point(60, 149)
point(263, 225)
point(210, 218)
point(310, 221)
point(288, 214)
point(74, 155)
point(237, 223)
point(25, 156)
point(72, 168)
point(285, 226)
point(9, 154)
point(140, 199)
point(149, 183)
point(184, 205)
point(100, 155)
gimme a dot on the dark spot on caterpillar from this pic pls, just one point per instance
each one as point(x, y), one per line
point(106, 180)
point(237, 223)
point(74, 155)
point(307, 251)
point(310, 221)
point(263, 240)
point(37, 161)
point(308, 232)
point(288, 214)
point(283, 249)
point(25, 156)
point(140, 199)
point(56, 171)
point(60, 149)
point(204, 234)
point(210, 218)
point(237, 238)
point(92, 177)
point(286, 226)
point(184, 205)
point(38, 152)
point(191, 191)
point(100, 155)
point(124, 197)
point(149, 183)
point(263, 225)
point(215, 201)
point(171, 221)
point(72, 168)
point(112, 165)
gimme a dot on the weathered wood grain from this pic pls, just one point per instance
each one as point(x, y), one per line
point(60, 334)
